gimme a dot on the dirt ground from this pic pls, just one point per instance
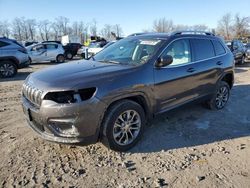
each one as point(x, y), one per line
point(188, 147)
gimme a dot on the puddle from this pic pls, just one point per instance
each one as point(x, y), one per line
point(202, 125)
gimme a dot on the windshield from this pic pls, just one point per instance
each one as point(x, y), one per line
point(94, 45)
point(129, 51)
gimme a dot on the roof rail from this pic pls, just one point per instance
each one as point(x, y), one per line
point(192, 32)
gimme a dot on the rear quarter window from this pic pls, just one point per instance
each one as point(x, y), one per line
point(218, 47)
point(2, 44)
point(203, 49)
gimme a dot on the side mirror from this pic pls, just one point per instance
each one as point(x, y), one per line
point(164, 61)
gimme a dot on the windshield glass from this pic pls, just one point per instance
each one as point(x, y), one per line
point(94, 45)
point(129, 51)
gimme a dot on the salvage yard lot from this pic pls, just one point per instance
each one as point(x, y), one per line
point(187, 147)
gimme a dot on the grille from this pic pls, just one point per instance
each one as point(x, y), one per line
point(33, 94)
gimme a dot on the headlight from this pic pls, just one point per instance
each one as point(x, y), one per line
point(67, 97)
point(61, 97)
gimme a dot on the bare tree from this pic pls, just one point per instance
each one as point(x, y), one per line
point(117, 30)
point(31, 24)
point(93, 28)
point(163, 25)
point(17, 29)
point(106, 31)
point(5, 28)
point(62, 24)
point(225, 27)
point(44, 29)
point(241, 25)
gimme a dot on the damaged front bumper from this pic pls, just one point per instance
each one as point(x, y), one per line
point(66, 123)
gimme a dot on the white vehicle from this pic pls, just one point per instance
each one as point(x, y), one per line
point(96, 47)
point(49, 51)
point(70, 39)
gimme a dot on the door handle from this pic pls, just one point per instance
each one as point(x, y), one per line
point(219, 63)
point(191, 70)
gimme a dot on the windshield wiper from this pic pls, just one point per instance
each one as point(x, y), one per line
point(109, 61)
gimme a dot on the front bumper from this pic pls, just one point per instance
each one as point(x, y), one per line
point(66, 123)
point(247, 57)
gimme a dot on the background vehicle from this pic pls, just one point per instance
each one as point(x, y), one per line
point(70, 39)
point(47, 51)
point(71, 49)
point(247, 56)
point(95, 47)
point(12, 57)
point(238, 50)
point(127, 84)
point(29, 43)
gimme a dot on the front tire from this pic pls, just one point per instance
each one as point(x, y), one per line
point(8, 69)
point(60, 58)
point(242, 61)
point(220, 98)
point(123, 125)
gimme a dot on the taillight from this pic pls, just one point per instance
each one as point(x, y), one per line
point(23, 50)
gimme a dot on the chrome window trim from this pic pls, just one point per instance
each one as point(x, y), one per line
point(191, 62)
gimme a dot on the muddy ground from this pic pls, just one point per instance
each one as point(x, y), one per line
point(188, 147)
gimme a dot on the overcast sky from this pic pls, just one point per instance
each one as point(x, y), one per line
point(132, 15)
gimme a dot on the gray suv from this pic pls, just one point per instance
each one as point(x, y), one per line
point(12, 57)
point(110, 97)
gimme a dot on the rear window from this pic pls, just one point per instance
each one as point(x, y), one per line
point(218, 47)
point(2, 44)
point(203, 49)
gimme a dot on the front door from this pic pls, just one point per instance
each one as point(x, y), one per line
point(175, 83)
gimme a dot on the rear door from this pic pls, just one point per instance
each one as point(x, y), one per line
point(51, 51)
point(209, 66)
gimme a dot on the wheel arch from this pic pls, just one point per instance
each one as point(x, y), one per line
point(10, 58)
point(140, 98)
point(229, 78)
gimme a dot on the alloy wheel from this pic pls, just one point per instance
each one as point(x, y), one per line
point(222, 97)
point(7, 69)
point(127, 127)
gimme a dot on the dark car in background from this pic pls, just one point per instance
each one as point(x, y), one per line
point(71, 49)
point(13, 56)
point(110, 97)
point(247, 57)
point(238, 50)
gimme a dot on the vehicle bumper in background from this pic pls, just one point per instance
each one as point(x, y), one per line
point(23, 64)
point(66, 123)
point(247, 57)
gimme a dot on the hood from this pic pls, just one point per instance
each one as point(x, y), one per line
point(69, 75)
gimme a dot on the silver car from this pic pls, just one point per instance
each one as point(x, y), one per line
point(46, 52)
point(13, 56)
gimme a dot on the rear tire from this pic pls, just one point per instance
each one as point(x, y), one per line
point(8, 69)
point(220, 98)
point(123, 125)
point(69, 55)
point(60, 58)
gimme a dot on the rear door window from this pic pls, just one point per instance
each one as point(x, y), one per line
point(203, 49)
point(218, 47)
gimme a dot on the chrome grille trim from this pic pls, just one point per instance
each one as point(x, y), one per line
point(34, 95)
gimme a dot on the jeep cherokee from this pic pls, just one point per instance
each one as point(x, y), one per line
point(110, 97)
